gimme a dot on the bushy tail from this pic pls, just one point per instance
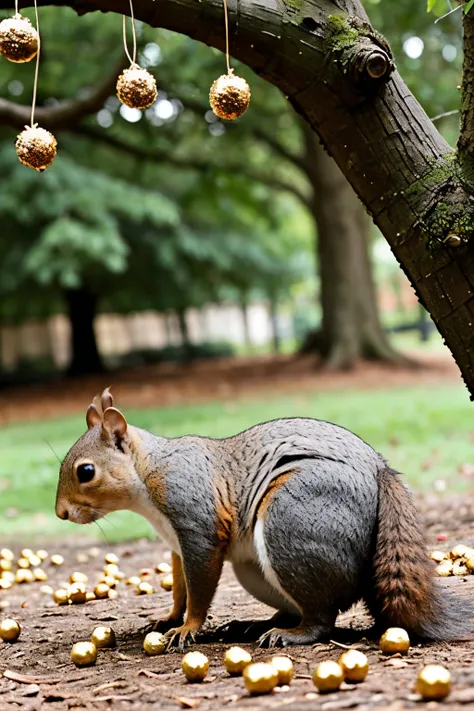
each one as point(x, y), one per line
point(406, 592)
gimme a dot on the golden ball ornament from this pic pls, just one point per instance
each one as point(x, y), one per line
point(163, 568)
point(433, 683)
point(23, 563)
point(144, 588)
point(77, 593)
point(35, 562)
point(155, 643)
point(113, 594)
point(84, 654)
point(354, 665)
point(6, 565)
point(6, 554)
point(40, 575)
point(5, 584)
point(229, 96)
point(37, 148)
point(136, 87)
point(284, 667)
point(101, 591)
point(111, 559)
point(78, 578)
point(260, 678)
point(395, 640)
point(328, 676)
point(235, 660)
point(56, 559)
point(90, 595)
point(167, 582)
point(134, 580)
point(9, 630)
point(195, 666)
point(46, 590)
point(18, 39)
point(60, 596)
point(24, 575)
point(438, 556)
point(103, 637)
point(42, 554)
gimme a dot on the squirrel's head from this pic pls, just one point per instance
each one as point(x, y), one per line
point(97, 475)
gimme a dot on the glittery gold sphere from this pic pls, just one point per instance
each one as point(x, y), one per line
point(433, 683)
point(36, 148)
point(84, 654)
point(155, 643)
point(136, 87)
point(60, 596)
point(354, 665)
point(18, 39)
point(260, 678)
point(229, 96)
point(101, 590)
point(9, 630)
point(284, 667)
point(167, 582)
point(103, 637)
point(235, 660)
point(394, 640)
point(328, 676)
point(195, 666)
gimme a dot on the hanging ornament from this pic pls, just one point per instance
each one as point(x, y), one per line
point(136, 87)
point(229, 95)
point(36, 147)
point(18, 38)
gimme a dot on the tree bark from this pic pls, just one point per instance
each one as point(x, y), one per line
point(82, 310)
point(338, 75)
point(351, 328)
point(273, 308)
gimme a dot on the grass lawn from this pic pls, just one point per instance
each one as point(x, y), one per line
point(425, 432)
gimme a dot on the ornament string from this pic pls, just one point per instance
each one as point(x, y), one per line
point(35, 85)
point(226, 20)
point(134, 35)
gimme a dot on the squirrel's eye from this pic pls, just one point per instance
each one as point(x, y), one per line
point(85, 473)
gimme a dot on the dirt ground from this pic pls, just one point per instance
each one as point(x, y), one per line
point(175, 384)
point(125, 678)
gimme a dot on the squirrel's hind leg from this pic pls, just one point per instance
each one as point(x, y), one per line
point(305, 633)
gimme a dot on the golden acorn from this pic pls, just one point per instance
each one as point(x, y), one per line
point(101, 590)
point(36, 148)
point(195, 666)
point(60, 596)
point(84, 654)
point(433, 683)
point(57, 559)
point(167, 582)
point(394, 640)
point(6, 554)
point(9, 630)
point(163, 568)
point(328, 676)
point(136, 87)
point(155, 643)
point(284, 667)
point(260, 678)
point(145, 588)
point(103, 637)
point(18, 39)
point(235, 660)
point(354, 665)
point(229, 96)
point(111, 558)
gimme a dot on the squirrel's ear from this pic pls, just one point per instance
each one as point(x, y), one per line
point(114, 423)
point(106, 399)
point(92, 417)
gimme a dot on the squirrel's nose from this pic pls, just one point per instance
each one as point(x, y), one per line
point(62, 513)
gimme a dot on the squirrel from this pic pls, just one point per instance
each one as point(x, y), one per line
point(311, 518)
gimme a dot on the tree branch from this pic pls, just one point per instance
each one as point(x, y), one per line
point(157, 155)
point(466, 137)
point(69, 112)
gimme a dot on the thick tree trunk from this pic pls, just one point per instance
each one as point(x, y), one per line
point(244, 310)
point(351, 328)
point(82, 310)
point(276, 341)
point(337, 73)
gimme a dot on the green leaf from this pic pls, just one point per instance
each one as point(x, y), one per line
point(431, 4)
point(468, 6)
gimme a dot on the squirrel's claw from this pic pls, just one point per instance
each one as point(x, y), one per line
point(272, 638)
point(180, 637)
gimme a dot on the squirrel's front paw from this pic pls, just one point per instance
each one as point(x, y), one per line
point(181, 637)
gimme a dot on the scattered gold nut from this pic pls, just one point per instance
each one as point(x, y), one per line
point(103, 637)
point(101, 590)
point(77, 593)
point(459, 551)
point(433, 683)
point(163, 568)
point(42, 554)
point(354, 665)
point(235, 660)
point(90, 596)
point(394, 640)
point(56, 560)
point(78, 578)
point(24, 575)
point(109, 580)
point(5, 584)
point(7, 554)
point(84, 654)
point(8, 575)
point(40, 575)
point(444, 571)
point(469, 563)
point(34, 561)
point(113, 594)
point(9, 630)
point(46, 590)
point(328, 676)
point(155, 643)
point(23, 563)
point(134, 580)
point(111, 558)
point(60, 596)
point(6, 565)
point(26, 553)
point(260, 678)
point(438, 556)
point(145, 588)
point(111, 569)
point(195, 666)
point(284, 667)
point(167, 582)
point(460, 570)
